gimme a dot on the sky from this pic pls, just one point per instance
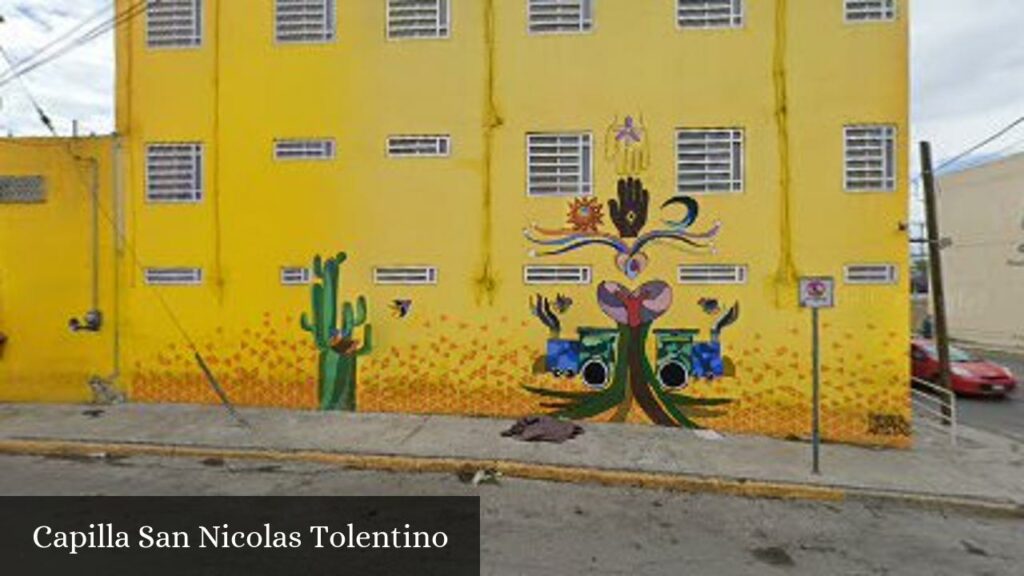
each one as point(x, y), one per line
point(967, 72)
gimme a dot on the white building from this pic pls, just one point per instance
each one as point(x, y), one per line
point(981, 210)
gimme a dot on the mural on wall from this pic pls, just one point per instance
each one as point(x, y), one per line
point(626, 145)
point(401, 308)
point(612, 362)
point(338, 347)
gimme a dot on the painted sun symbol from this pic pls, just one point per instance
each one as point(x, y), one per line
point(586, 215)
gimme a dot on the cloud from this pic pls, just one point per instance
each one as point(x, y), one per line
point(78, 86)
point(968, 73)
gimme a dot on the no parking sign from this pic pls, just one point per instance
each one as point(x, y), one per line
point(817, 293)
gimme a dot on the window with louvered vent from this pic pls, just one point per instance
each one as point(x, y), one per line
point(709, 13)
point(560, 164)
point(174, 173)
point(174, 23)
point(304, 21)
point(709, 160)
point(870, 10)
point(557, 275)
point(174, 276)
point(565, 16)
point(871, 274)
point(870, 154)
point(304, 149)
point(409, 19)
point(296, 276)
point(405, 275)
point(712, 274)
point(419, 146)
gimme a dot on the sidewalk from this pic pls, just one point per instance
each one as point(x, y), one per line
point(986, 471)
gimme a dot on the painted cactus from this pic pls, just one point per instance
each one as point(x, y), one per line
point(339, 349)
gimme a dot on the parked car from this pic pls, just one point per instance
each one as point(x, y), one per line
point(971, 375)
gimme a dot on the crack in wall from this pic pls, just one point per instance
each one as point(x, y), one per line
point(486, 283)
point(786, 272)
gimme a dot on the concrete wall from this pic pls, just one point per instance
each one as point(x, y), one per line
point(47, 266)
point(791, 78)
point(982, 211)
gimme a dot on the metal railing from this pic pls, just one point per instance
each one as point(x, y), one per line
point(935, 407)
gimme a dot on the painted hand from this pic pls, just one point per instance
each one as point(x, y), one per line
point(629, 213)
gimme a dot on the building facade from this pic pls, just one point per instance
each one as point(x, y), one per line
point(593, 208)
point(981, 212)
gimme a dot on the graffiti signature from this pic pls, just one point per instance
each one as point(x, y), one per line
point(888, 425)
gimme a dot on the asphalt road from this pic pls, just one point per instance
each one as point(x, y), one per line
point(1000, 416)
point(556, 529)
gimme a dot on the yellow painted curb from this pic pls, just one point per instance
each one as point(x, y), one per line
point(525, 470)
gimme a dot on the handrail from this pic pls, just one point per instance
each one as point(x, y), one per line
point(937, 395)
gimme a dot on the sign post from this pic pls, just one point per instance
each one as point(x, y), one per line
point(816, 293)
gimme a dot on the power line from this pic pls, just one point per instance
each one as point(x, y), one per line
point(43, 117)
point(999, 134)
point(36, 60)
point(132, 251)
point(65, 35)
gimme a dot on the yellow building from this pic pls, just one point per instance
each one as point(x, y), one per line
point(524, 191)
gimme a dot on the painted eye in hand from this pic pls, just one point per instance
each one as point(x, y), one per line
point(629, 212)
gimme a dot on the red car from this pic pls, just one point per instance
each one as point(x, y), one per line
point(971, 376)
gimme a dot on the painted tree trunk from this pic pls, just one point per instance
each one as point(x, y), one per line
point(641, 385)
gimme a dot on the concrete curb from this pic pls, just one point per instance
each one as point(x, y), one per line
point(525, 470)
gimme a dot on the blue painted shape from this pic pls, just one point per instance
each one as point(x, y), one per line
point(707, 360)
point(563, 357)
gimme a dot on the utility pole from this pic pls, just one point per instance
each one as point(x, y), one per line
point(938, 291)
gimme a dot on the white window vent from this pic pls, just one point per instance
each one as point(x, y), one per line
point(870, 10)
point(546, 275)
point(304, 149)
point(419, 146)
point(709, 160)
point(709, 13)
point(304, 21)
point(559, 164)
point(871, 274)
point(560, 16)
point(174, 23)
point(712, 274)
point(296, 276)
point(174, 173)
point(870, 158)
point(408, 19)
point(405, 276)
point(174, 276)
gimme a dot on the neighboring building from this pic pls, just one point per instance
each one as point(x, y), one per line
point(744, 144)
point(981, 212)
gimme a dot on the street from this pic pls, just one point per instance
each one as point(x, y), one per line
point(541, 528)
point(1003, 416)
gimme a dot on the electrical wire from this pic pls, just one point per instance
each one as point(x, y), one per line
point(132, 252)
point(999, 134)
point(65, 35)
point(43, 117)
point(37, 60)
point(179, 326)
